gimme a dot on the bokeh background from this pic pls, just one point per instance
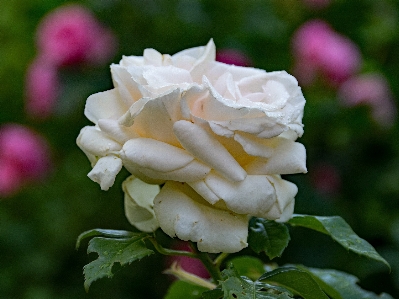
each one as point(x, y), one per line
point(54, 55)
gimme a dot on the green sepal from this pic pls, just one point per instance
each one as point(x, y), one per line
point(295, 280)
point(268, 236)
point(111, 251)
point(340, 231)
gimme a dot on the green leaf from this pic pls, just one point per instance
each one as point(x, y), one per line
point(297, 281)
point(233, 286)
point(340, 231)
point(248, 266)
point(184, 290)
point(111, 251)
point(268, 236)
point(104, 232)
point(344, 284)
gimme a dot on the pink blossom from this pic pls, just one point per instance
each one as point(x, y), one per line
point(71, 34)
point(373, 91)
point(41, 88)
point(24, 157)
point(326, 179)
point(318, 49)
point(191, 265)
point(232, 56)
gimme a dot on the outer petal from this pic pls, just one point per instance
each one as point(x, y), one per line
point(139, 202)
point(205, 147)
point(286, 192)
point(277, 155)
point(107, 104)
point(253, 196)
point(159, 160)
point(105, 171)
point(97, 143)
point(118, 132)
point(188, 218)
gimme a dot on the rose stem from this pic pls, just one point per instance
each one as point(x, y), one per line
point(166, 251)
point(208, 263)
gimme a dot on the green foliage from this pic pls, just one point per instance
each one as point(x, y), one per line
point(339, 231)
point(184, 290)
point(341, 285)
point(297, 281)
point(123, 247)
point(268, 236)
point(249, 266)
point(234, 286)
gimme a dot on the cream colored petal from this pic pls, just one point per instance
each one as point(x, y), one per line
point(214, 230)
point(107, 104)
point(139, 202)
point(96, 142)
point(156, 117)
point(161, 161)
point(127, 88)
point(105, 171)
point(202, 64)
point(286, 192)
point(253, 196)
point(288, 157)
point(118, 132)
point(208, 149)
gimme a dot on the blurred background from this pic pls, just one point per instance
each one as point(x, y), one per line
point(54, 54)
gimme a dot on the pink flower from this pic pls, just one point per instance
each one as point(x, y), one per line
point(232, 56)
point(24, 157)
point(326, 179)
point(41, 88)
point(371, 90)
point(318, 49)
point(71, 34)
point(188, 264)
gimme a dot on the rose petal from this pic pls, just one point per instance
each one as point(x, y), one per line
point(107, 104)
point(214, 230)
point(118, 132)
point(139, 202)
point(105, 171)
point(286, 192)
point(97, 143)
point(287, 156)
point(205, 147)
point(253, 196)
point(127, 88)
point(159, 160)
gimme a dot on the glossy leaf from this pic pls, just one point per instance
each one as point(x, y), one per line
point(249, 266)
point(268, 236)
point(340, 231)
point(111, 251)
point(344, 284)
point(297, 281)
point(104, 232)
point(184, 290)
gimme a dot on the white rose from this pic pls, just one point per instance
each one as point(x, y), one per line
point(220, 136)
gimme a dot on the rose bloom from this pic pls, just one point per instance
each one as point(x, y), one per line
point(70, 34)
point(217, 136)
point(370, 90)
point(24, 157)
point(42, 88)
point(318, 49)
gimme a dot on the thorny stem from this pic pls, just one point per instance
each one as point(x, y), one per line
point(212, 268)
point(166, 251)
